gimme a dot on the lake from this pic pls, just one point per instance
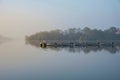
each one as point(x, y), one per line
point(21, 61)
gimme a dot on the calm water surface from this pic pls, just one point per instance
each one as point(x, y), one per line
point(20, 61)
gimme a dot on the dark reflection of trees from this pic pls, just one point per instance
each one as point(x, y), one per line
point(86, 50)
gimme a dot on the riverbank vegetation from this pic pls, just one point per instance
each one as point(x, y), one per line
point(77, 34)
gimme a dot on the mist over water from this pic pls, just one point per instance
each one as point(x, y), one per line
point(27, 62)
point(22, 60)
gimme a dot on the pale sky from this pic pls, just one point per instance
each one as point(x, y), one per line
point(24, 17)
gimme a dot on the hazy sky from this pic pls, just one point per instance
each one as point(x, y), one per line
point(23, 17)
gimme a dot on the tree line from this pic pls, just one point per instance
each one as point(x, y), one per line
point(77, 34)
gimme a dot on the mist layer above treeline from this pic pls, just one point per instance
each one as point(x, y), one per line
point(77, 34)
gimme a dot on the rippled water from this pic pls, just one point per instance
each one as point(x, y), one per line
point(21, 61)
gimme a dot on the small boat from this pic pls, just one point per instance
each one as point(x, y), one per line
point(43, 45)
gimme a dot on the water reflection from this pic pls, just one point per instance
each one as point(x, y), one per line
point(86, 50)
point(23, 62)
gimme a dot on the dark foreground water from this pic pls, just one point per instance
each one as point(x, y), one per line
point(20, 61)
